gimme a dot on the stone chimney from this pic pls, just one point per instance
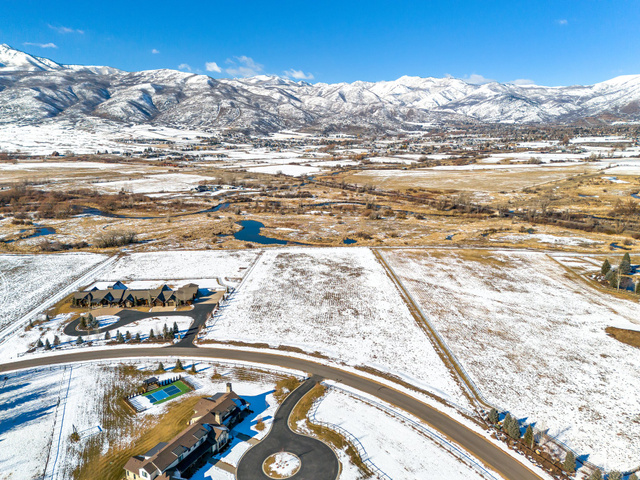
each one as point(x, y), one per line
point(229, 389)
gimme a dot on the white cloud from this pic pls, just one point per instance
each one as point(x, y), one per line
point(243, 66)
point(212, 67)
point(476, 79)
point(522, 81)
point(184, 66)
point(66, 29)
point(155, 51)
point(562, 21)
point(41, 45)
point(298, 74)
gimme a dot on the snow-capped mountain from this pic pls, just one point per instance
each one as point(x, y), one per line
point(35, 90)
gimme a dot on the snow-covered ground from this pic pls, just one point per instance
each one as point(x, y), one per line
point(31, 417)
point(534, 341)
point(28, 408)
point(28, 280)
point(170, 182)
point(338, 302)
point(397, 447)
point(208, 283)
point(293, 170)
point(226, 265)
point(546, 238)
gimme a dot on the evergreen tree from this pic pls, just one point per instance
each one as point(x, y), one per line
point(79, 340)
point(596, 475)
point(137, 339)
point(569, 463)
point(47, 345)
point(165, 330)
point(160, 367)
point(511, 427)
point(175, 328)
point(127, 335)
point(615, 475)
point(625, 264)
point(107, 335)
point(56, 341)
point(119, 337)
point(193, 368)
point(613, 281)
point(46, 317)
point(494, 417)
point(39, 344)
point(606, 267)
point(528, 437)
point(30, 323)
point(179, 366)
point(83, 323)
point(633, 476)
point(152, 336)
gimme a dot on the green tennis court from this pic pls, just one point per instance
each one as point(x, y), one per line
point(166, 393)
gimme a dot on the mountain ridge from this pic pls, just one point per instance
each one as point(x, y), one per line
point(36, 89)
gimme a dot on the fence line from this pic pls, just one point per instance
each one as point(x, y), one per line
point(11, 330)
point(550, 438)
point(436, 437)
point(350, 437)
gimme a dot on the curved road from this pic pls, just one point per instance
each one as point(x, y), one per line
point(480, 447)
point(198, 313)
point(318, 462)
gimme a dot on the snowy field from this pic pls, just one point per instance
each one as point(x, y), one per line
point(227, 265)
point(28, 280)
point(29, 402)
point(548, 239)
point(338, 302)
point(534, 341)
point(403, 452)
point(208, 283)
point(28, 407)
point(170, 182)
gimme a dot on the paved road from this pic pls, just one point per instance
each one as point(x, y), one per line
point(317, 459)
point(478, 446)
point(198, 313)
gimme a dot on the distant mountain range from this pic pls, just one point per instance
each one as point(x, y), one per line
point(34, 90)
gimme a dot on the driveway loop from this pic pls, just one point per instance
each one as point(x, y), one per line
point(317, 460)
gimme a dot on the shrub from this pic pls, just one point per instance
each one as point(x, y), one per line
point(115, 239)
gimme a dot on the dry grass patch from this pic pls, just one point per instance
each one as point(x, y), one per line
point(126, 434)
point(630, 337)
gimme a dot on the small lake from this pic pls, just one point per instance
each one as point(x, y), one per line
point(349, 241)
point(251, 233)
point(39, 232)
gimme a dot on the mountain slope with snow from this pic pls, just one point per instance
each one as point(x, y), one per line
point(35, 89)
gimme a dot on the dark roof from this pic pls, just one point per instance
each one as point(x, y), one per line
point(155, 449)
point(177, 446)
point(164, 454)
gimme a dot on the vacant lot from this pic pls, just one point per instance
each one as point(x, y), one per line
point(487, 179)
point(28, 280)
point(533, 338)
point(338, 302)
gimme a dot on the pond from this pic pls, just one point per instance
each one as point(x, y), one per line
point(349, 241)
point(39, 232)
point(251, 233)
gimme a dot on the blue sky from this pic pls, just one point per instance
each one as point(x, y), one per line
point(548, 42)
